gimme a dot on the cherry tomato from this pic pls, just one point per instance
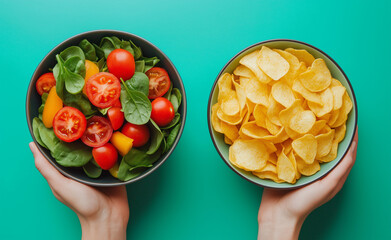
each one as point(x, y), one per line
point(69, 124)
point(139, 133)
point(103, 89)
point(45, 83)
point(116, 117)
point(117, 104)
point(98, 132)
point(105, 156)
point(159, 82)
point(120, 62)
point(162, 111)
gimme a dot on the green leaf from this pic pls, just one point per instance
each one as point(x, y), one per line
point(136, 106)
point(125, 175)
point(101, 63)
point(140, 65)
point(108, 44)
point(99, 52)
point(126, 45)
point(150, 62)
point(88, 49)
point(168, 93)
point(103, 111)
point(40, 109)
point(172, 136)
point(92, 170)
point(176, 98)
point(139, 82)
point(76, 65)
point(174, 121)
point(36, 123)
point(137, 51)
point(73, 82)
point(72, 51)
point(81, 102)
point(156, 137)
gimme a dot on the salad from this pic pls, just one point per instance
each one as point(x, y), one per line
point(107, 107)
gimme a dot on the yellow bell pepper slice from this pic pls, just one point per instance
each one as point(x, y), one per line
point(121, 142)
point(114, 170)
point(91, 69)
point(52, 106)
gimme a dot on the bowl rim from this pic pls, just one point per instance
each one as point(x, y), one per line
point(57, 49)
point(211, 128)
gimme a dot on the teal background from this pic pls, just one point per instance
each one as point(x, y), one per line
point(194, 195)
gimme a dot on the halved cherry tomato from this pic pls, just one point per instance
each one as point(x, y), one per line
point(91, 69)
point(105, 156)
point(139, 133)
point(45, 83)
point(159, 82)
point(162, 111)
point(98, 132)
point(103, 89)
point(116, 117)
point(69, 124)
point(120, 62)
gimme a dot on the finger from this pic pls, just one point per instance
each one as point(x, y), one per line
point(50, 173)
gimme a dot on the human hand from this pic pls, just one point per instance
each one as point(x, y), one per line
point(103, 212)
point(282, 213)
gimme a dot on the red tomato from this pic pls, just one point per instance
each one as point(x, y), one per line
point(98, 132)
point(139, 133)
point(159, 82)
point(69, 124)
point(116, 117)
point(45, 83)
point(120, 62)
point(103, 89)
point(162, 111)
point(117, 104)
point(105, 156)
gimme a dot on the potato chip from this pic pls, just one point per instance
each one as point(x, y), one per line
point(306, 148)
point(324, 143)
point(335, 82)
point(287, 146)
point(338, 92)
point(302, 122)
point(216, 122)
point(268, 175)
point(307, 169)
point(317, 78)
point(273, 111)
point(318, 126)
point(294, 64)
point(285, 169)
point(251, 129)
point(258, 92)
point(227, 140)
point(230, 131)
point(233, 120)
point(302, 55)
point(260, 115)
point(271, 127)
point(243, 71)
point(332, 154)
point(269, 168)
point(340, 133)
point(273, 158)
point(292, 158)
point(310, 96)
point(270, 147)
point(283, 94)
point(327, 101)
point(230, 105)
point(343, 111)
point(225, 86)
point(333, 117)
point(250, 61)
point(287, 114)
point(281, 136)
point(241, 95)
point(272, 63)
point(250, 155)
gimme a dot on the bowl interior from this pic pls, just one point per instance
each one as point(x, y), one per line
point(336, 72)
point(33, 100)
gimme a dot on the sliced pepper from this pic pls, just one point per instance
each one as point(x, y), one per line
point(121, 142)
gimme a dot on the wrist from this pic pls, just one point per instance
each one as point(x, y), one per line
point(103, 227)
point(277, 225)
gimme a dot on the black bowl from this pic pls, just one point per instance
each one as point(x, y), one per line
point(33, 101)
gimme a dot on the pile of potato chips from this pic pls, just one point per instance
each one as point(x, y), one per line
point(282, 113)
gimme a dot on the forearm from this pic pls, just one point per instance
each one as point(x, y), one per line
point(275, 226)
point(105, 229)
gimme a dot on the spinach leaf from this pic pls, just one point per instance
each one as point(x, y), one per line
point(47, 136)
point(136, 106)
point(88, 49)
point(156, 137)
point(174, 121)
point(99, 52)
point(103, 111)
point(76, 65)
point(137, 51)
point(79, 101)
point(126, 45)
point(101, 63)
point(36, 123)
point(171, 138)
point(137, 158)
point(150, 62)
point(108, 44)
point(140, 65)
point(139, 82)
point(44, 97)
point(168, 93)
point(176, 98)
point(72, 51)
point(124, 174)
point(73, 82)
point(92, 170)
